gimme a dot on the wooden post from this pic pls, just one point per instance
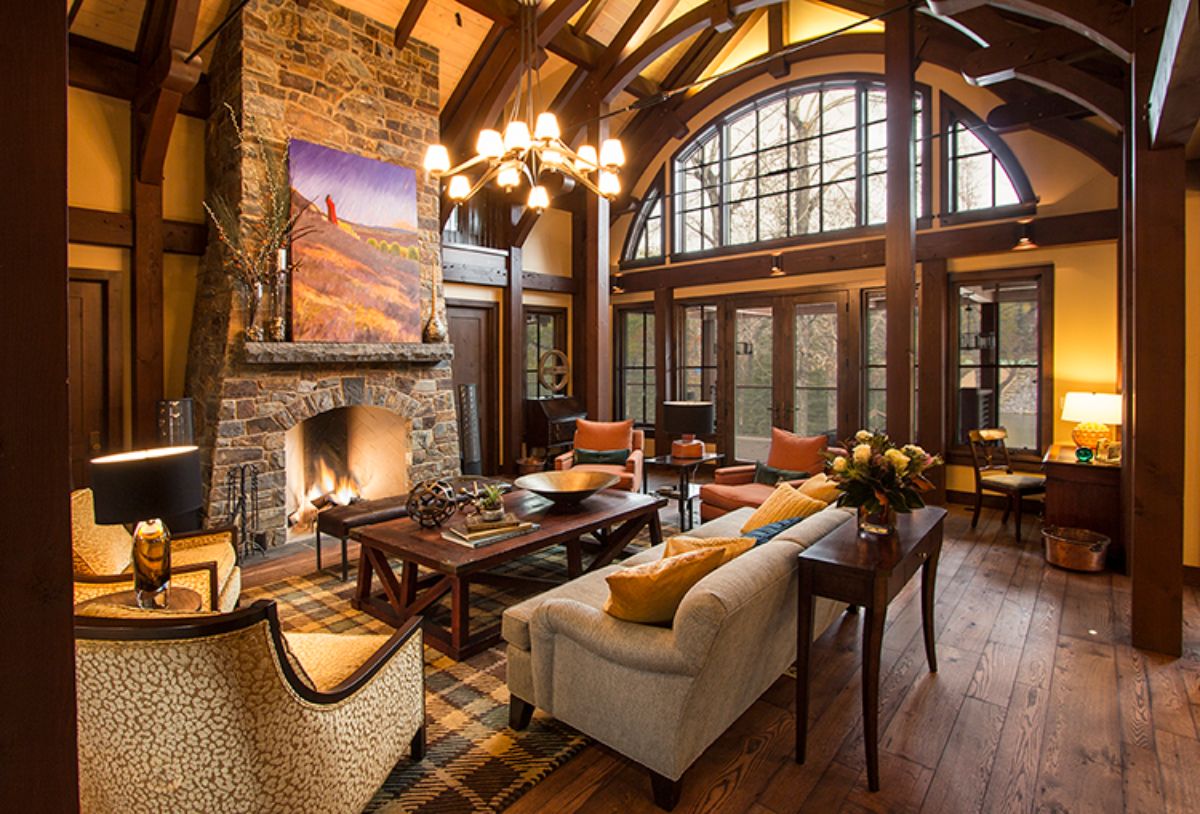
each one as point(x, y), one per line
point(513, 321)
point(596, 350)
point(931, 410)
point(147, 376)
point(37, 689)
point(900, 246)
point(1155, 337)
point(664, 364)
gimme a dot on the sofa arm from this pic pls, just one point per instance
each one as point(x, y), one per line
point(564, 461)
point(638, 647)
point(733, 475)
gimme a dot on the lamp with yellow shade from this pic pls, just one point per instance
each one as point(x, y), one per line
point(1093, 412)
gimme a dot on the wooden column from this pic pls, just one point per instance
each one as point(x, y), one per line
point(147, 375)
point(513, 329)
point(37, 686)
point(931, 407)
point(900, 246)
point(596, 351)
point(664, 363)
point(1155, 340)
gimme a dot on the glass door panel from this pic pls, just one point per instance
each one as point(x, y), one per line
point(753, 388)
point(816, 346)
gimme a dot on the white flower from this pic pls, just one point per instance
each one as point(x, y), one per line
point(862, 453)
point(863, 435)
point(914, 451)
point(898, 460)
point(839, 463)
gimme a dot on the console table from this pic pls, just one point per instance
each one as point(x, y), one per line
point(868, 572)
point(1085, 496)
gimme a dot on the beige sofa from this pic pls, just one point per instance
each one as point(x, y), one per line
point(661, 695)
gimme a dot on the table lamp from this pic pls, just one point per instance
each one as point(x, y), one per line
point(689, 419)
point(1093, 412)
point(143, 487)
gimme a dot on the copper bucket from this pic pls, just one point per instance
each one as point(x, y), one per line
point(1075, 549)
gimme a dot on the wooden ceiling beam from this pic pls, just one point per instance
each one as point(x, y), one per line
point(1002, 58)
point(164, 78)
point(408, 21)
point(101, 68)
point(1108, 23)
point(1042, 107)
point(1175, 91)
point(1106, 101)
point(590, 14)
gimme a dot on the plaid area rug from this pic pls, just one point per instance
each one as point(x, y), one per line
point(474, 762)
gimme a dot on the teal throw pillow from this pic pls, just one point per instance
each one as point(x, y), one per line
point(768, 532)
point(772, 476)
point(611, 457)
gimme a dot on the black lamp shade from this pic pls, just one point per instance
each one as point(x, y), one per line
point(152, 483)
point(690, 417)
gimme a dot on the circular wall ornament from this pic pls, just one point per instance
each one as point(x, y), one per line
point(431, 502)
point(554, 371)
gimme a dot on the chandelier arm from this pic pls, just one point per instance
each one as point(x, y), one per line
point(463, 167)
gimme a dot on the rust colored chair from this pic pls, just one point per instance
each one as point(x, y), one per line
point(609, 436)
point(733, 487)
point(994, 473)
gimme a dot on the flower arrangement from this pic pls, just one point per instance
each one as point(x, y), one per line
point(880, 478)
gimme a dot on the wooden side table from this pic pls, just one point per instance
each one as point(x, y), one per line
point(179, 600)
point(868, 572)
point(686, 492)
point(1085, 496)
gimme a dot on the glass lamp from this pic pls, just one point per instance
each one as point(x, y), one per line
point(1093, 412)
point(143, 487)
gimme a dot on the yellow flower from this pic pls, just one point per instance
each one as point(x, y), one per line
point(862, 453)
point(897, 459)
point(839, 464)
point(863, 435)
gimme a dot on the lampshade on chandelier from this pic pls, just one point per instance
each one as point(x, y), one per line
point(518, 156)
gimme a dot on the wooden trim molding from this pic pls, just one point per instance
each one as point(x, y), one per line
point(100, 228)
point(101, 68)
point(1191, 575)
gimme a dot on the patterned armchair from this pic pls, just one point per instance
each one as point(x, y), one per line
point(607, 436)
point(205, 561)
point(221, 713)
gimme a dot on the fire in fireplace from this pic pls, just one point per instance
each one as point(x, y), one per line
point(340, 456)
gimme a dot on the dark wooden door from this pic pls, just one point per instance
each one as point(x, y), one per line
point(473, 332)
point(94, 371)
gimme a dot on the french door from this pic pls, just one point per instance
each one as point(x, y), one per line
point(787, 364)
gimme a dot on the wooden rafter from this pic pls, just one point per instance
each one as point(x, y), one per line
point(1002, 58)
point(1175, 93)
point(590, 14)
point(1108, 23)
point(408, 21)
point(1017, 115)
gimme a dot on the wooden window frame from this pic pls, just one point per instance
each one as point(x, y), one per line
point(952, 112)
point(655, 194)
point(559, 315)
point(619, 365)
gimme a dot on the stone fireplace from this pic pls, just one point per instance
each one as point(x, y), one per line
point(322, 73)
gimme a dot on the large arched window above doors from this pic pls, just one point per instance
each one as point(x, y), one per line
point(981, 178)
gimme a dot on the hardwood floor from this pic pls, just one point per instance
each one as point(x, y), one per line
point(1040, 704)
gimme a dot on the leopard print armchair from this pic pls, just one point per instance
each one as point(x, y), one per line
point(221, 713)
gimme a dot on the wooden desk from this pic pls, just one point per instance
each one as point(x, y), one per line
point(1085, 496)
point(867, 572)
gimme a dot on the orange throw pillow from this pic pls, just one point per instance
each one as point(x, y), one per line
point(604, 435)
point(797, 453)
point(650, 593)
point(820, 487)
point(732, 546)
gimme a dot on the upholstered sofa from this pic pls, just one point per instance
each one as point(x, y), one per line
point(733, 487)
point(204, 561)
point(222, 713)
point(661, 695)
point(605, 436)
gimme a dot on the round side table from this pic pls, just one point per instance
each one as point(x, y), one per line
point(179, 600)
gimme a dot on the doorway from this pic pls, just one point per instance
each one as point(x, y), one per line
point(475, 336)
point(95, 368)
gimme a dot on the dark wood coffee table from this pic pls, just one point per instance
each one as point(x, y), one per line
point(866, 572)
point(613, 517)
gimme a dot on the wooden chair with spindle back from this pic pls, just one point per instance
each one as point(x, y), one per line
point(989, 454)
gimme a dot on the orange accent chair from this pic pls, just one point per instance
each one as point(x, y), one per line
point(733, 487)
point(605, 436)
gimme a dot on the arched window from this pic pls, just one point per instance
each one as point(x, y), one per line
point(981, 172)
point(646, 241)
point(807, 159)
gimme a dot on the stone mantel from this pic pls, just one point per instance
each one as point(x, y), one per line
point(331, 353)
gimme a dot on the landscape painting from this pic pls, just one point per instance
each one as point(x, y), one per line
point(356, 271)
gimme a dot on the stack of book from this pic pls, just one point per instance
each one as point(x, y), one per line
point(475, 532)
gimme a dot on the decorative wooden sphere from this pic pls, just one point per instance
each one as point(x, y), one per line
point(431, 502)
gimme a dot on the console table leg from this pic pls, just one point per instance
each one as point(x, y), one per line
point(460, 611)
point(928, 578)
point(804, 625)
point(872, 647)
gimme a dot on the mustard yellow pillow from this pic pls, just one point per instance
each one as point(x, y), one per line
point(820, 487)
point(732, 546)
point(650, 593)
point(783, 504)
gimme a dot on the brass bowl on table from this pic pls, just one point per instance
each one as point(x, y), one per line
point(568, 488)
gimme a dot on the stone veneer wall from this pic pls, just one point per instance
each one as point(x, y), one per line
point(319, 72)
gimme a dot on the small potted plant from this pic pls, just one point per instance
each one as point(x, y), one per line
point(491, 503)
point(881, 479)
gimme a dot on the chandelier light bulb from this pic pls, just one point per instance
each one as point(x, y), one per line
point(612, 154)
point(552, 158)
point(490, 144)
point(609, 184)
point(437, 160)
point(459, 188)
point(539, 199)
point(516, 136)
point(587, 159)
point(547, 128)
point(509, 177)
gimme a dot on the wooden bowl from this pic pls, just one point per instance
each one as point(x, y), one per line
point(567, 488)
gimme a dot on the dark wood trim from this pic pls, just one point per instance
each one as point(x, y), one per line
point(408, 21)
point(105, 69)
point(554, 283)
point(1191, 575)
point(100, 228)
point(114, 375)
point(37, 691)
point(665, 366)
point(932, 350)
point(1173, 107)
point(512, 393)
point(656, 187)
point(952, 111)
point(491, 452)
point(595, 315)
point(619, 350)
point(147, 373)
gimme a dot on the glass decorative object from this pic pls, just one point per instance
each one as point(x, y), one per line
point(277, 327)
point(252, 297)
point(878, 523)
point(436, 331)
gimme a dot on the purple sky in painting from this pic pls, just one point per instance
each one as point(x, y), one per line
point(365, 191)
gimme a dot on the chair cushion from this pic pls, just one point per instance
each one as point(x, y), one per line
point(735, 495)
point(328, 659)
point(97, 550)
point(604, 434)
point(220, 553)
point(796, 452)
point(820, 487)
point(589, 589)
point(616, 457)
point(625, 476)
point(650, 593)
point(771, 475)
point(731, 546)
point(784, 502)
point(1015, 482)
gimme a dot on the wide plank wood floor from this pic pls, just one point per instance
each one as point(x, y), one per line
point(1040, 704)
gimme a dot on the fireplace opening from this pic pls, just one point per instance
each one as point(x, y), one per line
point(342, 456)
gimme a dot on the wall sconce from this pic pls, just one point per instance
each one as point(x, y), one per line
point(616, 289)
point(777, 266)
point(1024, 236)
